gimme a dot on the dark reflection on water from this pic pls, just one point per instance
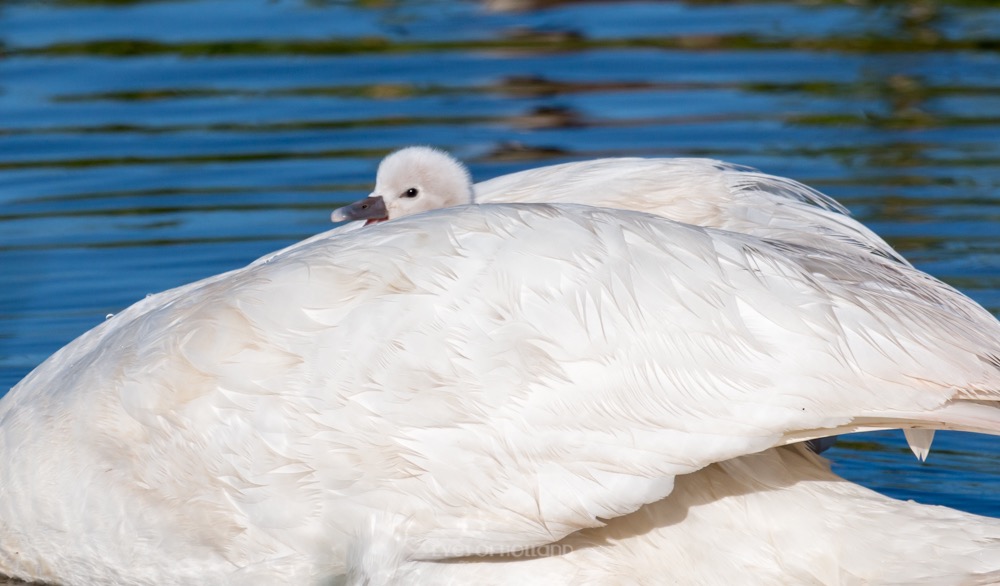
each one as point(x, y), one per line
point(147, 144)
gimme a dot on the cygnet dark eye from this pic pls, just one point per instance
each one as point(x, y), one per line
point(411, 192)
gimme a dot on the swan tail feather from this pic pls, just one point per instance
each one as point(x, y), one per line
point(920, 441)
point(919, 426)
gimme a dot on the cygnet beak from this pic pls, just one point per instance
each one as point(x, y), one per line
point(371, 208)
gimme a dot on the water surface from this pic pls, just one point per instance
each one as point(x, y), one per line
point(144, 145)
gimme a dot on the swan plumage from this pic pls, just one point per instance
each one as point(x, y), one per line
point(483, 378)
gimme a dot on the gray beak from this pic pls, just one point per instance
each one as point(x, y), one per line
point(369, 208)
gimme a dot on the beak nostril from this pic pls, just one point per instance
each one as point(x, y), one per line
point(370, 208)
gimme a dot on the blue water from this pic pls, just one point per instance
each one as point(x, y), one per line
point(147, 144)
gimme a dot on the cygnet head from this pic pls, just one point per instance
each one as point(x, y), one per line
point(409, 181)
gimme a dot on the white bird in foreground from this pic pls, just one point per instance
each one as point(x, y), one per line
point(491, 379)
point(701, 192)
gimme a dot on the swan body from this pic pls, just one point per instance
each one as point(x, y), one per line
point(481, 379)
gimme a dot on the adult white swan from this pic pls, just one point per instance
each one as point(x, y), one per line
point(482, 379)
